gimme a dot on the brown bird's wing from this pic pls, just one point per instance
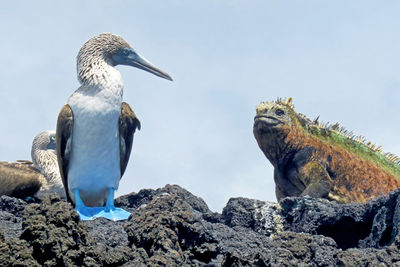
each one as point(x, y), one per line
point(24, 161)
point(65, 124)
point(19, 180)
point(128, 122)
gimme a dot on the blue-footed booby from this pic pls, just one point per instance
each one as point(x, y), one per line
point(95, 128)
point(24, 178)
point(44, 158)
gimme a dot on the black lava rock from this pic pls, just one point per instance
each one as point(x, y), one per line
point(171, 227)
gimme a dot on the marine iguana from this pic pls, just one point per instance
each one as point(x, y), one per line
point(321, 160)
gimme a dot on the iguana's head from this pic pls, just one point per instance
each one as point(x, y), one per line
point(272, 123)
point(272, 116)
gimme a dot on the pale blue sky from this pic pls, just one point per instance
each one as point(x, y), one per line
point(337, 59)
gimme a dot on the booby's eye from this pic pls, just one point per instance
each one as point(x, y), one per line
point(53, 138)
point(125, 51)
point(279, 112)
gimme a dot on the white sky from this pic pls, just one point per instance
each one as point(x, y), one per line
point(337, 59)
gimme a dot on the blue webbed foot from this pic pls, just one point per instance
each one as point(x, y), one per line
point(85, 213)
point(109, 211)
point(27, 199)
point(88, 213)
point(114, 214)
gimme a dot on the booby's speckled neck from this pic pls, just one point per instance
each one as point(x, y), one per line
point(97, 72)
point(95, 65)
point(44, 158)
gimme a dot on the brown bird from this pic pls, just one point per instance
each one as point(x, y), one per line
point(25, 178)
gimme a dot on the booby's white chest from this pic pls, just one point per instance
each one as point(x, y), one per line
point(95, 153)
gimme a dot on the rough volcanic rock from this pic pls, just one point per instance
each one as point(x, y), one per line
point(11, 211)
point(262, 217)
point(53, 230)
point(374, 224)
point(171, 227)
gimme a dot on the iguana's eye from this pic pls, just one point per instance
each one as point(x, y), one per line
point(279, 112)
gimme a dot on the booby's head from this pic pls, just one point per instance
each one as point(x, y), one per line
point(113, 50)
point(44, 159)
point(45, 140)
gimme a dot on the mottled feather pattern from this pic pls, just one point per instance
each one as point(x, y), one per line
point(94, 57)
point(49, 168)
point(45, 160)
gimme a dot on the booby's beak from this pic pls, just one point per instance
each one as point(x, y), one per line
point(135, 60)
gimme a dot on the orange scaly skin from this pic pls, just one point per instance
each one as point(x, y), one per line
point(310, 159)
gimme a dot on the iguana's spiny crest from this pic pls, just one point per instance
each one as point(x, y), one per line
point(288, 115)
point(323, 160)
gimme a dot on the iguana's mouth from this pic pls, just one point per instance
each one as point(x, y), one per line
point(270, 121)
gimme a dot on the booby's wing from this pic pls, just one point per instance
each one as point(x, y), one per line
point(24, 161)
point(128, 122)
point(19, 179)
point(65, 124)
